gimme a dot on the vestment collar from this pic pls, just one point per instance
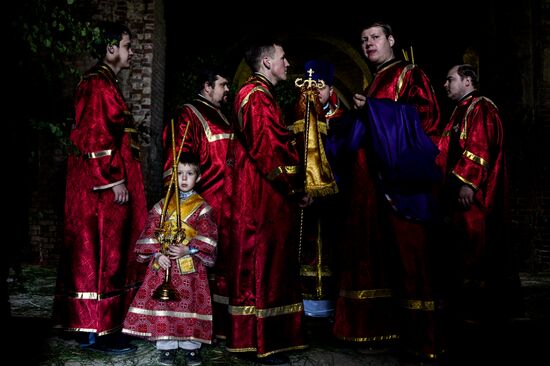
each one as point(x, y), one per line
point(201, 99)
point(263, 79)
point(387, 64)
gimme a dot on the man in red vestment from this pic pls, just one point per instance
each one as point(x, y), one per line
point(105, 207)
point(208, 134)
point(265, 304)
point(475, 204)
point(385, 253)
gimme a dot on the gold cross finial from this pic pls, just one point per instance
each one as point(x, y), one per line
point(309, 83)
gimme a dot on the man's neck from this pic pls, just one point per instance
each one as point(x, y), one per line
point(115, 68)
point(466, 95)
point(386, 62)
point(267, 77)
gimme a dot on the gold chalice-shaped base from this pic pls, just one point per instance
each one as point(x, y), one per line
point(168, 235)
point(166, 292)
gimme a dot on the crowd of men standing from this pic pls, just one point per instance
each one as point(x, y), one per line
point(413, 233)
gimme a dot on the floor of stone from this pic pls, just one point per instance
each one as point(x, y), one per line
point(32, 340)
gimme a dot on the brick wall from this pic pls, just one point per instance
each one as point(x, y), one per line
point(541, 215)
point(529, 130)
point(513, 74)
point(47, 199)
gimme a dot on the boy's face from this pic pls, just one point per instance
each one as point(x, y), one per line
point(187, 176)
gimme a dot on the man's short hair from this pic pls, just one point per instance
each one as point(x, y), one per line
point(468, 71)
point(110, 33)
point(386, 28)
point(258, 49)
point(209, 74)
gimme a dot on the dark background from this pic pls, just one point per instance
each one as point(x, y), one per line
point(439, 34)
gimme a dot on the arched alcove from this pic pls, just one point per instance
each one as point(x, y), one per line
point(352, 74)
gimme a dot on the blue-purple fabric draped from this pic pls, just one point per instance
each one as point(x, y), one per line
point(405, 154)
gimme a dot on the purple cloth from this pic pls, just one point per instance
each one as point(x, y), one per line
point(337, 148)
point(406, 152)
point(406, 157)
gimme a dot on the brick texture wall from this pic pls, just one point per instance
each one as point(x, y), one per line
point(515, 73)
point(540, 259)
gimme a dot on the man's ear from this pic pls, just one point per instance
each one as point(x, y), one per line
point(391, 40)
point(110, 49)
point(267, 62)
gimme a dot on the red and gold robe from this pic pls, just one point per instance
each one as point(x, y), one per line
point(98, 273)
point(190, 317)
point(208, 137)
point(385, 256)
point(471, 152)
point(265, 304)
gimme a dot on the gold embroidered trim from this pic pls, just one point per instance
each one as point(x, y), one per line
point(173, 314)
point(90, 330)
point(289, 170)
point(366, 294)
point(418, 305)
point(314, 271)
point(387, 337)
point(464, 180)
point(406, 69)
point(476, 159)
point(245, 101)
point(220, 299)
point(148, 241)
point(207, 131)
point(254, 349)
point(298, 126)
point(96, 296)
point(149, 335)
point(98, 154)
point(265, 313)
point(207, 240)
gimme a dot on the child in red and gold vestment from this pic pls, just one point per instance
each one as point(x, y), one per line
point(175, 309)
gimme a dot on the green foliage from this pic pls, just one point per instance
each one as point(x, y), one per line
point(52, 37)
point(55, 35)
point(56, 129)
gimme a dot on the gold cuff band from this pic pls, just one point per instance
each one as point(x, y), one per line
point(98, 154)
